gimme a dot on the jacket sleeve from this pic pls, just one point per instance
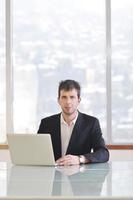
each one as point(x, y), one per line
point(99, 151)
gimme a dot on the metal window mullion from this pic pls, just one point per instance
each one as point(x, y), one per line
point(108, 71)
point(9, 83)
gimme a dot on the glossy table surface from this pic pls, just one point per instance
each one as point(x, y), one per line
point(112, 180)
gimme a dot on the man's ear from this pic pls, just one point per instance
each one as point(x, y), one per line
point(58, 100)
point(79, 99)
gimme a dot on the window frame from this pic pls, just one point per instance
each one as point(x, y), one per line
point(9, 74)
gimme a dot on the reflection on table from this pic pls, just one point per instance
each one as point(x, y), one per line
point(92, 181)
point(84, 180)
point(30, 181)
point(46, 181)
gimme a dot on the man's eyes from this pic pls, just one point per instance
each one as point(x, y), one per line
point(71, 97)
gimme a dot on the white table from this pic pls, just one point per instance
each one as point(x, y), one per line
point(113, 180)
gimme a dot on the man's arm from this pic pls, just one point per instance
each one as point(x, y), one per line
point(100, 152)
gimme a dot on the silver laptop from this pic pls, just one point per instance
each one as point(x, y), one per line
point(31, 149)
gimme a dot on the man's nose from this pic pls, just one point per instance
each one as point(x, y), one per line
point(68, 100)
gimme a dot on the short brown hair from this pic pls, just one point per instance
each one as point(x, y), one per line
point(69, 85)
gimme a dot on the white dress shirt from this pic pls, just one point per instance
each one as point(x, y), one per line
point(66, 132)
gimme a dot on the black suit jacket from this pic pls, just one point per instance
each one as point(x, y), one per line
point(86, 137)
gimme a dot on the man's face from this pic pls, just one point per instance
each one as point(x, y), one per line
point(69, 101)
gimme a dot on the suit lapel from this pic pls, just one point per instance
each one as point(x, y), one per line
point(77, 130)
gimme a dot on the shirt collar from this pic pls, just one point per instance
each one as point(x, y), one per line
point(72, 122)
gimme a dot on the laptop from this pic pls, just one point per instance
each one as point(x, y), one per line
point(31, 149)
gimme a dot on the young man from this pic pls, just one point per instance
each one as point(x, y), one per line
point(76, 137)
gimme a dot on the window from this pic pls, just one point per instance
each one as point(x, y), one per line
point(60, 39)
point(122, 71)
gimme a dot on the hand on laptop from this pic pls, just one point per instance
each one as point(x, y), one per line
point(68, 160)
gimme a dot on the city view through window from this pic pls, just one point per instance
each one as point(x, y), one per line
point(60, 41)
point(122, 71)
point(66, 39)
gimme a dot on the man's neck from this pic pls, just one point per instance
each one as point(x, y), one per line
point(69, 118)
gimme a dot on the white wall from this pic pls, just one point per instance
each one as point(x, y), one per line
point(4, 155)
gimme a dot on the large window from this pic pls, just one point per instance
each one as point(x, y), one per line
point(61, 39)
point(122, 71)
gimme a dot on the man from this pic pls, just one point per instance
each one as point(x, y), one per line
point(76, 137)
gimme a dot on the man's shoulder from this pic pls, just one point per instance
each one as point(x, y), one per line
point(52, 117)
point(87, 117)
